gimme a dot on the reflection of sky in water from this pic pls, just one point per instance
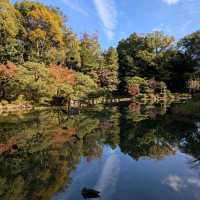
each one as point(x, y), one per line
point(117, 176)
point(182, 184)
point(109, 177)
point(148, 164)
point(198, 126)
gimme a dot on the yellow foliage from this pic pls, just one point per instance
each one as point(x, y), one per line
point(9, 19)
point(37, 34)
point(51, 22)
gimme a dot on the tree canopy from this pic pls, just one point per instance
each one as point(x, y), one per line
point(42, 56)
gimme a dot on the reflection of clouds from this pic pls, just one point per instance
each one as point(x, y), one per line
point(177, 183)
point(174, 182)
point(198, 126)
point(109, 177)
point(194, 181)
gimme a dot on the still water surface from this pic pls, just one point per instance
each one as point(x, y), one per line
point(127, 152)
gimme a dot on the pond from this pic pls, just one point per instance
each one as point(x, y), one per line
point(125, 151)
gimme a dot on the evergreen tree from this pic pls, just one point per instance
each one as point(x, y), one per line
point(72, 45)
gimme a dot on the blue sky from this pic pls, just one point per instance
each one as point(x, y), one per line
point(117, 19)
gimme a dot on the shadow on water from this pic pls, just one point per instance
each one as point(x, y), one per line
point(40, 151)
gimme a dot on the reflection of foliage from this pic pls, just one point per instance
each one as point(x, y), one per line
point(50, 144)
point(136, 113)
point(155, 135)
point(189, 109)
point(191, 147)
point(143, 140)
point(48, 150)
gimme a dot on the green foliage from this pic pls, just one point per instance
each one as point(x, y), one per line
point(84, 86)
point(146, 56)
point(48, 144)
point(10, 27)
point(141, 88)
point(111, 57)
point(100, 92)
point(190, 46)
point(35, 37)
point(10, 88)
point(158, 43)
point(35, 71)
point(73, 57)
point(155, 55)
point(108, 73)
point(35, 80)
point(90, 54)
point(136, 80)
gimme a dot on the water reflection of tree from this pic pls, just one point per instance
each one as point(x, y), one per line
point(189, 141)
point(51, 143)
point(147, 132)
point(144, 138)
point(49, 147)
point(191, 146)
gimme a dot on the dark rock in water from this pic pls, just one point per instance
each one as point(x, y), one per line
point(90, 193)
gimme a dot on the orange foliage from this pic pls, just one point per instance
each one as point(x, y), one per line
point(4, 148)
point(8, 69)
point(134, 90)
point(62, 75)
point(134, 108)
point(8, 146)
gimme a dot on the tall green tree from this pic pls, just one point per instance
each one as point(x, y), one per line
point(189, 46)
point(107, 74)
point(146, 56)
point(72, 46)
point(90, 53)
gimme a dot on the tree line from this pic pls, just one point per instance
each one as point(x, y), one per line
point(160, 59)
point(43, 61)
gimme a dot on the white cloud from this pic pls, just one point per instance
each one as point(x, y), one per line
point(108, 15)
point(174, 182)
point(194, 181)
point(75, 5)
point(171, 2)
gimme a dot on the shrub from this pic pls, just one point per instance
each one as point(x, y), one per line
point(62, 75)
point(100, 92)
point(84, 86)
point(141, 96)
point(134, 90)
point(10, 88)
point(137, 85)
point(8, 70)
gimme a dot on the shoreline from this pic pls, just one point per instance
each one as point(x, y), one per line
point(12, 108)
